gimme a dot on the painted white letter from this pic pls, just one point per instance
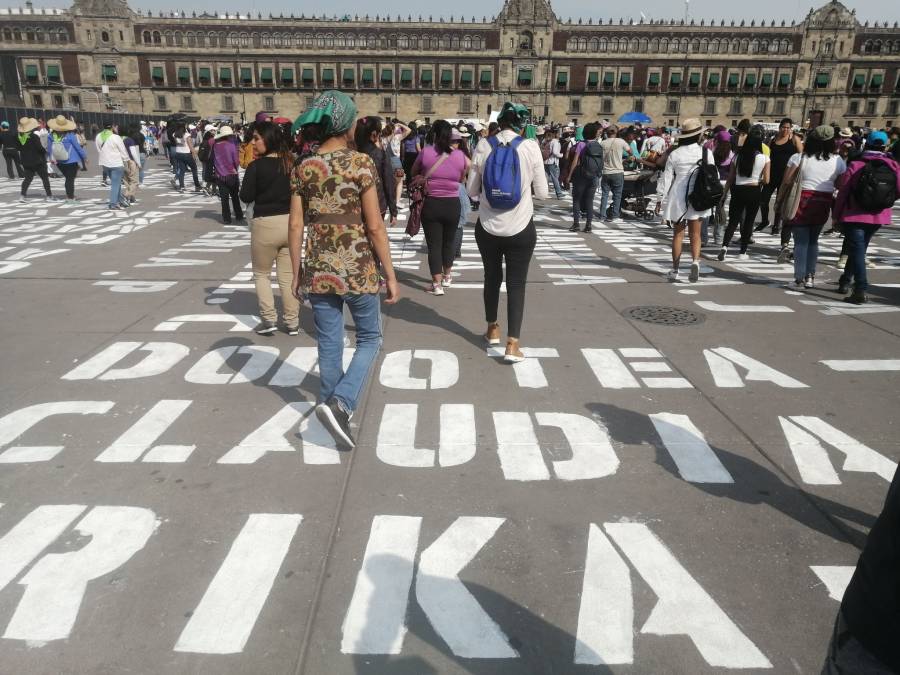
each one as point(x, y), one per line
point(396, 368)
point(397, 435)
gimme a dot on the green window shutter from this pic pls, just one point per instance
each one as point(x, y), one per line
point(406, 75)
point(387, 75)
point(859, 80)
point(485, 77)
point(877, 79)
point(784, 79)
point(593, 78)
point(465, 77)
point(525, 76)
point(562, 78)
point(266, 74)
point(654, 79)
point(426, 76)
point(203, 73)
point(368, 75)
point(609, 78)
point(108, 71)
point(225, 74)
point(446, 76)
point(349, 75)
point(749, 79)
point(184, 73)
point(287, 74)
point(675, 79)
point(32, 71)
point(694, 80)
point(822, 80)
point(328, 75)
point(733, 80)
point(766, 80)
point(53, 71)
point(157, 73)
point(714, 79)
point(625, 79)
point(246, 75)
point(307, 74)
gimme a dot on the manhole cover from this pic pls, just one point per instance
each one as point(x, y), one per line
point(664, 316)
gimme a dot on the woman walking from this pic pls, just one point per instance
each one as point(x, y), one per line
point(444, 168)
point(65, 151)
point(368, 133)
point(133, 141)
point(183, 152)
point(225, 164)
point(267, 185)
point(749, 170)
point(332, 192)
point(410, 149)
point(784, 146)
point(817, 168)
point(673, 188)
point(507, 235)
point(33, 156)
point(392, 146)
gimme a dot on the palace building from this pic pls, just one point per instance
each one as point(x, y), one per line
point(100, 55)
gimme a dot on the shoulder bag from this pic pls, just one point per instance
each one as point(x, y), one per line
point(418, 190)
point(792, 202)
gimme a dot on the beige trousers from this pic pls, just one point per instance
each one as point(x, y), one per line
point(130, 180)
point(269, 244)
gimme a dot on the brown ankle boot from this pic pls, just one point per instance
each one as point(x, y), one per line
point(513, 353)
point(493, 334)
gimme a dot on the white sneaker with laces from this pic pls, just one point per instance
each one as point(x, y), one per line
point(695, 272)
point(743, 256)
point(672, 275)
point(435, 289)
point(446, 281)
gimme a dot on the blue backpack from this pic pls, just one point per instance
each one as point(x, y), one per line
point(501, 179)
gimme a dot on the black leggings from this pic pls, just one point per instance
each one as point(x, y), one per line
point(12, 159)
point(768, 190)
point(742, 211)
point(229, 188)
point(30, 173)
point(440, 219)
point(517, 250)
point(69, 171)
point(583, 191)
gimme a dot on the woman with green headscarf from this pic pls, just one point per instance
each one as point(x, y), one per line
point(332, 193)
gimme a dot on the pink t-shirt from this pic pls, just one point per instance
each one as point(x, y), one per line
point(444, 181)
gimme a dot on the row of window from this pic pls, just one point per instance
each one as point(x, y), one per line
point(312, 41)
point(33, 34)
point(606, 80)
point(289, 76)
point(680, 46)
point(388, 104)
point(881, 47)
point(57, 102)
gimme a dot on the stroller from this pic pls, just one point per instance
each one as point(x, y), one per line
point(638, 194)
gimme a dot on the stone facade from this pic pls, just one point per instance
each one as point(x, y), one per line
point(99, 55)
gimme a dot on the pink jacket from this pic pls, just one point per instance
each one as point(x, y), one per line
point(845, 210)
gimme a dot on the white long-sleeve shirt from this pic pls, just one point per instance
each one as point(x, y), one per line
point(677, 181)
point(531, 164)
point(113, 153)
point(555, 153)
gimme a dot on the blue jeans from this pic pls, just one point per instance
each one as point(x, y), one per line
point(115, 183)
point(143, 164)
point(183, 162)
point(857, 237)
point(552, 171)
point(328, 313)
point(806, 249)
point(611, 182)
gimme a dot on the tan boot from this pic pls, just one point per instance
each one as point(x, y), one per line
point(513, 353)
point(493, 334)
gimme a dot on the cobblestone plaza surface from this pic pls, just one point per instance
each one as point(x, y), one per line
point(102, 55)
point(677, 480)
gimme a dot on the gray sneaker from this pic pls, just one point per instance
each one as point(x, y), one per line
point(266, 328)
point(334, 418)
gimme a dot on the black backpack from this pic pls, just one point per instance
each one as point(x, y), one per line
point(591, 162)
point(707, 191)
point(203, 152)
point(876, 187)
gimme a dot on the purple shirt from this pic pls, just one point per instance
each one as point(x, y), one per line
point(445, 180)
point(225, 158)
point(845, 208)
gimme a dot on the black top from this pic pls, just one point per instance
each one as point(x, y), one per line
point(267, 186)
point(9, 139)
point(387, 187)
point(779, 156)
point(871, 604)
point(32, 154)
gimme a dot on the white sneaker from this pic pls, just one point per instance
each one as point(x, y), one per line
point(695, 272)
point(446, 281)
point(743, 256)
point(809, 282)
point(434, 289)
point(871, 264)
point(615, 221)
point(784, 255)
point(672, 275)
point(842, 262)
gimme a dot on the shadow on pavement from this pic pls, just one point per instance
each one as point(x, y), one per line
point(754, 484)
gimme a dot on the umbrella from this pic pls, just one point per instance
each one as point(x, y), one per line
point(635, 117)
point(281, 120)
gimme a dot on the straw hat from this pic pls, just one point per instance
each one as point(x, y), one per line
point(27, 124)
point(691, 127)
point(846, 133)
point(60, 123)
point(224, 131)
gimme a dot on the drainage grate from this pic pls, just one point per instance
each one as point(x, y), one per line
point(664, 316)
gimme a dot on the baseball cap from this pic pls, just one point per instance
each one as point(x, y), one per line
point(824, 132)
point(4, 124)
point(877, 138)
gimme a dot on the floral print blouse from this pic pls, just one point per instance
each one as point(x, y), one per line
point(338, 257)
